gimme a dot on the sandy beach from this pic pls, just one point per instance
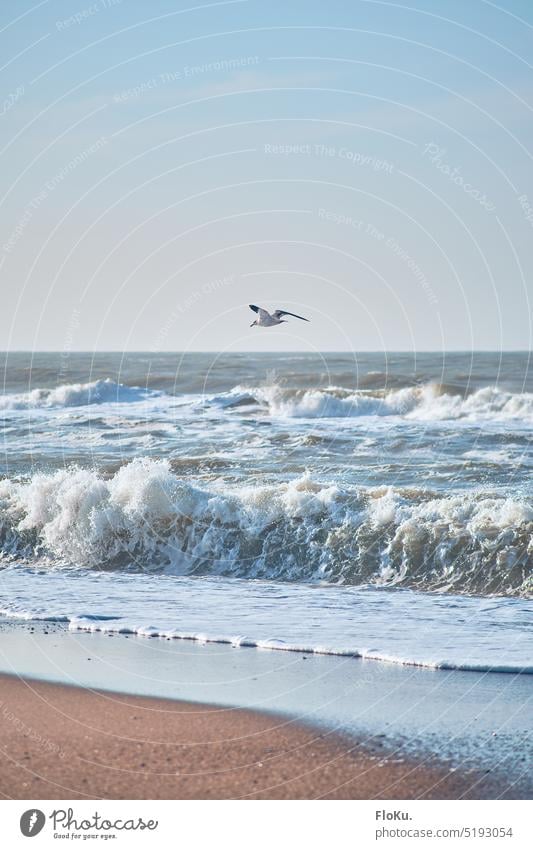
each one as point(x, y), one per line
point(66, 742)
point(85, 715)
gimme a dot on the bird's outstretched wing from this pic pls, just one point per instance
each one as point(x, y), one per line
point(263, 314)
point(279, 313)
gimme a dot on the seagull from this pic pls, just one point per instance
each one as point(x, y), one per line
point(267, 319)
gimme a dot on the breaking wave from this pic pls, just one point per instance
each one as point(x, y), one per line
point(430, 402)
point(144, 517)
point(76, 395)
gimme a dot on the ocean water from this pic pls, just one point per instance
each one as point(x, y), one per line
point(375, 505)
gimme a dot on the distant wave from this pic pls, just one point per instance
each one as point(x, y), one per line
point(145, 517)
point(76, 395)
point(428, 402)
point(431, 402)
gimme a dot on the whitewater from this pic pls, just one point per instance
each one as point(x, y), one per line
point(378, 506)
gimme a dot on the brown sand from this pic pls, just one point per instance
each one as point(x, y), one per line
point(61, 742)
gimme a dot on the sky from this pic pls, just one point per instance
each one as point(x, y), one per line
point(367, 164)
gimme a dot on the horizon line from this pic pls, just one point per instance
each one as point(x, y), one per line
point(145, 351)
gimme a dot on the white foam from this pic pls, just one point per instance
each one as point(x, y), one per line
point(146, 517)
point(76, 395)
point(422, 403)
point(274, 644)
point(395, 626)
point(427, 403)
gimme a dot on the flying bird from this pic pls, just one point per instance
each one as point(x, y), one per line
point(267, 319)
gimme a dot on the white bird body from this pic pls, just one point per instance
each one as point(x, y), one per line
point(267, 319)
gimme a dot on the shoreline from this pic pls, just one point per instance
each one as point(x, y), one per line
point(328, 727)
point(63, 741)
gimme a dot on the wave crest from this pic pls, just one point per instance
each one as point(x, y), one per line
point(431, 402)
point(76, 395)
point(144, 517)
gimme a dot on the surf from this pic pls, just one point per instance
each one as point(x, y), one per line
point(144, 517)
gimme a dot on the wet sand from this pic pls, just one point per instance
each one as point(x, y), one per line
point(63, 742)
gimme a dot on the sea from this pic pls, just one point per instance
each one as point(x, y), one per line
point(374, 505)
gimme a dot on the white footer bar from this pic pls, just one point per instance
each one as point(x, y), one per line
point(268, 824)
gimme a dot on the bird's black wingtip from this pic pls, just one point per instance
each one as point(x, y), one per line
point(253, 307)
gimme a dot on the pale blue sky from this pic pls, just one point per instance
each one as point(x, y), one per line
point(367, 164)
